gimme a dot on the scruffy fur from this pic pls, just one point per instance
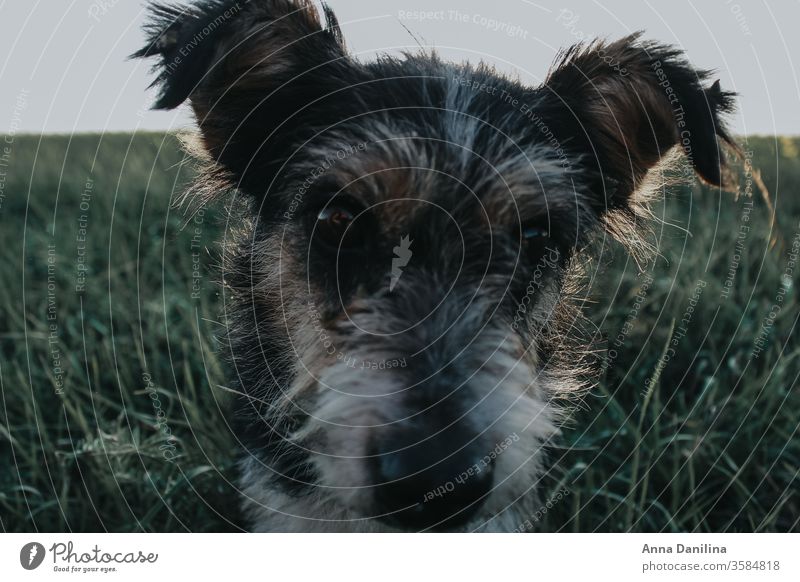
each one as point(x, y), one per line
point(473, 196)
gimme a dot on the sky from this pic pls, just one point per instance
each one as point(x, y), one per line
point(64, 65)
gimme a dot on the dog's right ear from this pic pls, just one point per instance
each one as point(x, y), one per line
point(249, 69)
point(620, 107)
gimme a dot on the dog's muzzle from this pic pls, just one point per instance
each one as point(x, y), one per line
point(414, 446)
point(435, 483)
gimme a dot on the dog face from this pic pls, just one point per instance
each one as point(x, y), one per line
point(398, 301)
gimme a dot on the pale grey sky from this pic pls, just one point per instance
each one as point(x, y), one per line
point(63, 63)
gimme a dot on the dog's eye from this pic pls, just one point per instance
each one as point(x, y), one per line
point(535, 239)
point(534, 231)
point(334, 226)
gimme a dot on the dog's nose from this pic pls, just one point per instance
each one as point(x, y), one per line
point(437, 484)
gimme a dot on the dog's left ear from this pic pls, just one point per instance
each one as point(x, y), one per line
point(619, 107)
point(250, 70)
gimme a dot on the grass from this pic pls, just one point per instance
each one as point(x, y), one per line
point(687, 431)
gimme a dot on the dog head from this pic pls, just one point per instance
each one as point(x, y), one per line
point(398, 300)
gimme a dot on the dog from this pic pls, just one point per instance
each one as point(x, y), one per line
point(401, 294)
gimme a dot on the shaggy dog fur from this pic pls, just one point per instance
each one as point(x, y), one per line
point(399, 301)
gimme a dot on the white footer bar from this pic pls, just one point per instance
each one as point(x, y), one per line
point(388, 557)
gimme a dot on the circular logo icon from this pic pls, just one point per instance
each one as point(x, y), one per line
point(31, 555)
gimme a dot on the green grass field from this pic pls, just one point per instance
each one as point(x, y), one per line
point(112, 417)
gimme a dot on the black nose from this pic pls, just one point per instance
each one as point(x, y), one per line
point(437, 484)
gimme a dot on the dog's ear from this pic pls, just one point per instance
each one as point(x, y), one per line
point(250, 69)
point(619, 107)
